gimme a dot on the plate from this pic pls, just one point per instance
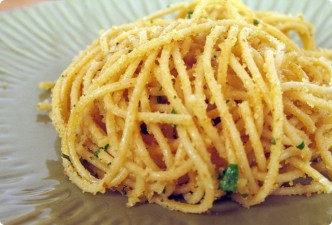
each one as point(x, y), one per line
point(36, 44)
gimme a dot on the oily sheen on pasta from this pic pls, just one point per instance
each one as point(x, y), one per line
point(217, 101)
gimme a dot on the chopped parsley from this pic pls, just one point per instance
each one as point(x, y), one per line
point(104, 148)
point(255, 22)
point(229, 177)
point(301, 145)
point(189, 14)
point(173, 125)
point(273, 141)
point(65, 157)
point(96, 153)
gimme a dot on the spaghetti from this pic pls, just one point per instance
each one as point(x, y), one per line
point(180, 112)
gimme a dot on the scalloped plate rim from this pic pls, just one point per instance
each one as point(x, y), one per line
point(37, 182)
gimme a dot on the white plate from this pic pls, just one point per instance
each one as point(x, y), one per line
point(36, 44)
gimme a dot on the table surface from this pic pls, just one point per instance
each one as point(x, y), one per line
point(11, 4)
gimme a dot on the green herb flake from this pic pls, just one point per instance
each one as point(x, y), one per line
point(65, 157)
point(273, 141)
point(301, 145)
point(130, 50)
point(255, 22)
point(96, 153)
point(173, 111)
point(189, 14)
point(104, 148)
point(229, 178)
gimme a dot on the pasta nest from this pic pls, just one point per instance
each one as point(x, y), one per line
point(161, 107)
